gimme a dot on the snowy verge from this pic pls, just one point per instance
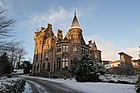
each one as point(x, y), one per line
point(39, 87)
point(12, 85)
point(90, 87)
point(119, 78)
point(27, 89)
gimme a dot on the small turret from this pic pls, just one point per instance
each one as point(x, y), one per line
point(95, 53)
point(59, 35)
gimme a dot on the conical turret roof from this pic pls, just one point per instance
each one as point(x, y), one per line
point(75, 23)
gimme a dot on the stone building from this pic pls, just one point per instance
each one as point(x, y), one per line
point(126, 60)
point(53, 54)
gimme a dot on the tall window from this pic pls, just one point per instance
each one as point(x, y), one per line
point(65, 48)
point(45, 55)
point(58, 63)
point(36, 57)
point(54, 66)
point(65, 63)
point(58, 49)
point(49, 66)
point(43, 65)
point(38, 67)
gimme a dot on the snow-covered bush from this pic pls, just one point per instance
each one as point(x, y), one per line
point(12, 85)
point(88, 70)
point(119, 78)
point(138, 85)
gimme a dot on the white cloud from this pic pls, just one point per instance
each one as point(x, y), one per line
point(59, 17)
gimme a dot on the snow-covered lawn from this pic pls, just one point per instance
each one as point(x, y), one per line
point(115, 78)
point(90, 87)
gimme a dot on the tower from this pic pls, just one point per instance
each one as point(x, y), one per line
point(75, 32)
point(95, 53)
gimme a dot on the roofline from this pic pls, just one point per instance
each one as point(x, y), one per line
point(125, 54)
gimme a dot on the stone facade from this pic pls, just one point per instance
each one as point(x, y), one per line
point(53, 54)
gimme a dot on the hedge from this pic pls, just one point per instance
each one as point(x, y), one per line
point(12, 85)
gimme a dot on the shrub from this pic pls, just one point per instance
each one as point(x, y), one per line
point(12, 85)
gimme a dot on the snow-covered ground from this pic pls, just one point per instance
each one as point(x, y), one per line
point(39, 87)
point(115, 78)
point(90, 87)
point(28, 88)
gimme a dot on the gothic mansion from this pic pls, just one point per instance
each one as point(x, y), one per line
point(53, 54)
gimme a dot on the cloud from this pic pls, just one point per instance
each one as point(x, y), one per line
point(58, 17)
point(1, 4)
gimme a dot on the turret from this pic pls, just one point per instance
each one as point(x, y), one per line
point(95, 53)
point(75, 32)
point(59, 35)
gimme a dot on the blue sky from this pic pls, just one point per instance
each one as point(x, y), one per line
point(113, 24)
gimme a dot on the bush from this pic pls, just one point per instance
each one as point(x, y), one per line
point(138, 85)
point(12, 85)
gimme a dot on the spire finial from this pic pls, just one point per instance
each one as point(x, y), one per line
point(75, 12)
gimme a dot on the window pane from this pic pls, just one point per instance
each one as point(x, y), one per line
point(63, 48)
point(59, 49)
point(63, 64)
point(66, 48)
point(46, 55)
point(63, 59)
point(66, 64)
point(66, 59)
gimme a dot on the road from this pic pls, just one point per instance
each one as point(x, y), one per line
point(45, 86)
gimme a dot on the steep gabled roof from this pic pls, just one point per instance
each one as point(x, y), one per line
point(94, 47)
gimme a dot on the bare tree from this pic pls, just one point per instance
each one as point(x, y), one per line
point(14, 48)
point(21, 53)
point(6, 25)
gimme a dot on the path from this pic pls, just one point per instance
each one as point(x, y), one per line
point(45, 86)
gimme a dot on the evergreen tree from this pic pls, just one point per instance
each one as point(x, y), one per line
point(88, 70)
point(4, 64)
point(74, 66)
